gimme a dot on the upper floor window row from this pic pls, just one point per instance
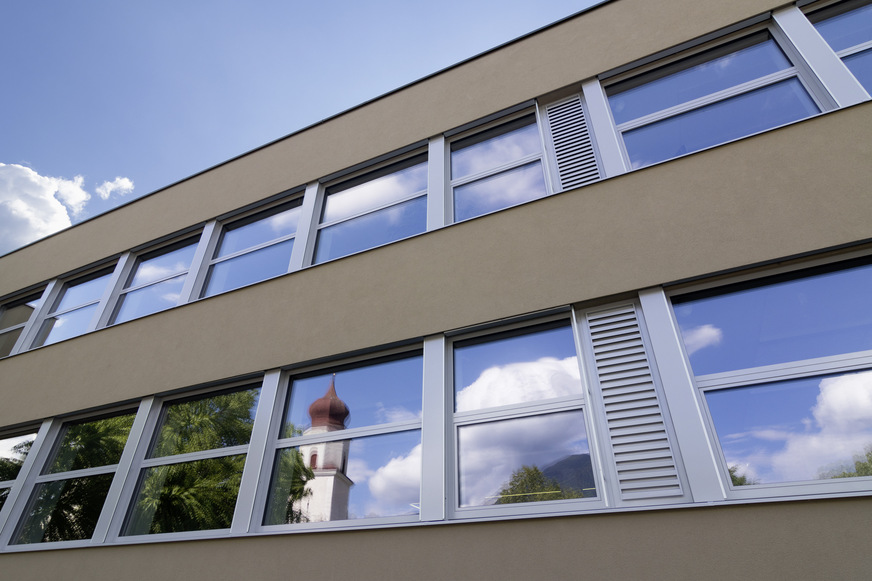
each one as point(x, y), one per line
point(747, 82)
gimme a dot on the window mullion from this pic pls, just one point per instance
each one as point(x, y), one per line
point(199, 263)
point(245, 516)
point(435, 428)
point(437, 178)
point(304, 246)
point(35, 317)
point(113, 289)
point(698, 450)
point(819, 57)
point(608, 141)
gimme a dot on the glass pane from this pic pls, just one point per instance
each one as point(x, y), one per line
point(473, 155)
point(861, 65)
point(190, 496)
point(64, 510)
point(499, 191)
point(630, 100)
point(66, 326)
point(17, 314)
point(350, 398)
point(375, 193)
point(369, 477)
point(7, 341)
point(162, 266)
point(238, 237)
point(373, 229)
point(249, 268)
point(529, 459)
point(207, 423)
point(517, 368)
point(149, 299)
point(806, 429)
point(847, 29)
point(84, 292)
point(91, 444)
point(815, 316)
point(4, 492)
point(12, 454)
point(720, 122)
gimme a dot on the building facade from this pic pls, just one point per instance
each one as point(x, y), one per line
point(589, 304)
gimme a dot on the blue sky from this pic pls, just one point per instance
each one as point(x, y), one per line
point(107, 101)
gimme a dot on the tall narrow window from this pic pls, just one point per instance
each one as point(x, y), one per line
point(74, 309)
point(497, 168)
point(847, 28)
point(373, 209)
point(13, 450)
point(13, 318)
point(68, 497)
point(156, 282)
point(253, 249)
point(519, 418)
point(190, 478)
point(731, 91)
point(349, 445)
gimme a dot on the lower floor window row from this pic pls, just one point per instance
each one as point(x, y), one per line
point(562, 415)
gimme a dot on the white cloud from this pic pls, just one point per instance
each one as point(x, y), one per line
point(121, 185)
point(396, 486)
point(520, 382)
point(700, 337)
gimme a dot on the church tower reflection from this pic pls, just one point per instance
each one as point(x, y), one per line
point(326, 497)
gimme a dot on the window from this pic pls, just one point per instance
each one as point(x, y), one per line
point(373, 209)
point(739, 88)
point(156, 282)
point(784, 366)
point(74, 309)
point(847, 28)
point(253, 249)
point(68, 495)
point(13, 318)
point(496, 168)
point(349, 444)
point(13, 450)
point(519, 419)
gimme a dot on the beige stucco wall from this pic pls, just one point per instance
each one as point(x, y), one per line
point(609, 36)
point(783, 541)
point(759, 199)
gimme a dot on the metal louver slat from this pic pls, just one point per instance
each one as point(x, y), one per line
point(635, 422)
point(571, 142)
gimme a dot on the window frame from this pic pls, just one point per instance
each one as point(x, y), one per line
point(37, 297)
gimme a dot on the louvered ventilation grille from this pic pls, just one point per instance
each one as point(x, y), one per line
point(573, 149)
point(636, 427)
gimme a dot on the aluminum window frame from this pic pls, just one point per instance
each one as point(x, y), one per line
point(38, 298)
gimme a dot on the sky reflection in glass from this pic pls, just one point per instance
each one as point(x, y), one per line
point(250, 234)
point(723, 121)
point(65, 326)
point(85, 292)
point(249, 268)
point(816, 316)
point(472, 155)
point(860, 65)
point(150, 299)
point(343, 203)
point(500, 191)
point(805, 429)
point(168, 264)
point(13, 451)
point(848, 29)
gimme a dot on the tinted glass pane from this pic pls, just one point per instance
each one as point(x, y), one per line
point(162, 266)
point(807, 429)
point(514, 369)
point(12, 454)
point(190, 496)
point(149, 299)
point(493, 193)
point(847, 29)
point(81, 293)
point(17, 314)
point(64, 510)
point(373, 394)
point(472, 156)
point(723, 121)
point(61, 327)
point(861, 65)
point(374, 193)
point(217, 421)
point(525, 460)
point(697, 81)
point(91, 444)
point(249, 268)
point(373, 229)
point(364, 477)
point(7, 341)
point(821, 315)
point(248, 234)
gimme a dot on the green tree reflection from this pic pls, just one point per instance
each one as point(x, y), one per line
point(529, 484)
point(739, 479)
point(862, 467)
